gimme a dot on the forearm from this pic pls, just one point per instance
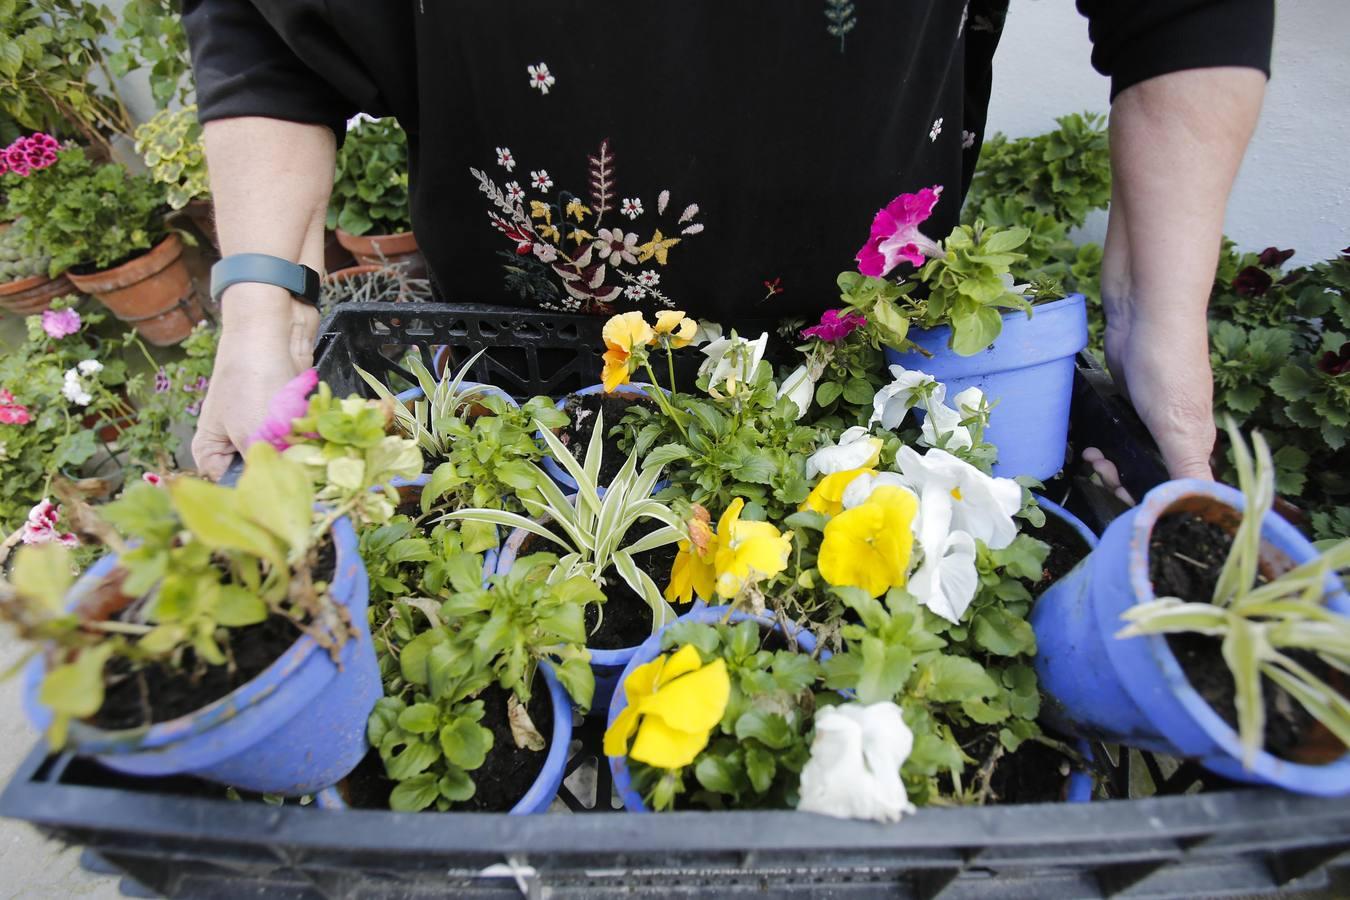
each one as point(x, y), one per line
point(1176, 143)
point(270, 182)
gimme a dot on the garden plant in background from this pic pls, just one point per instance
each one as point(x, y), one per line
point(171, 145)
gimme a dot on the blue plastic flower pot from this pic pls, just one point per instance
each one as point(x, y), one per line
point(1027, 375)
point(633, 390)
point(1132, 690)
point(297, 727)
point(540, 795)
point(1052, 508)
point(648, 651)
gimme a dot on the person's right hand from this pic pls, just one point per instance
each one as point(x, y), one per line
point(258, 354)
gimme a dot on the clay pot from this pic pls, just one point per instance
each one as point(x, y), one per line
point(387, 249)
point(202, 217)
point(152, 292)
point(31, 295)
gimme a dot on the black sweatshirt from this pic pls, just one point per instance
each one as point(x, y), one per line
point(722, 156)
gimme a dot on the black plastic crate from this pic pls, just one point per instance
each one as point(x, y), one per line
point(182, 838)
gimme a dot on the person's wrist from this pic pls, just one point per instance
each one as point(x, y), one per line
point(257, 312)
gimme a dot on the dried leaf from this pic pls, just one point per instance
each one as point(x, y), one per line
point(526, 736)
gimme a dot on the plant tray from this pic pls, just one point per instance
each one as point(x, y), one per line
point(1197, 836)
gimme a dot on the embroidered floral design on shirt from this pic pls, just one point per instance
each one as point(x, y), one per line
point(505, 159)
point(967, 139)
point(936, 129)
point(541, 78)
point(965, 14)
point(840, 19)
point(567, 256)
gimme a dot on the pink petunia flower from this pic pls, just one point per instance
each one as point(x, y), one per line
point(11, 411)
point(289, 403)
point(835, 327)
point(59, 323)
point(896, 236)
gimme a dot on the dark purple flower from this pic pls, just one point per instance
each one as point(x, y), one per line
point(1252, 282)
point(835, 327)
point(162, 382)
point(1274, 257)
point(1336, 363)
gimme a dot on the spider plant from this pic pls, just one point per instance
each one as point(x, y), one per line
point(590, 526)
point(1258, 623)
point(443, 402)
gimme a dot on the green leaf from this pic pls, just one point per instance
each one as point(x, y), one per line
point(956, 678)
point(716, 774)
point(578, 680)
point(76, 689)
point(885, 670)
point(456, 785)
point(1002, 633)
point(415, 794)
point(1242, 647)
point(420, 718)
point(827, 392)
point(770, 729)
point(210, 512)
point(275, 494)
point(43, 572)
point(237, 607)
point(465, 743)
point(413, 757)
point(976, 331)
point(1003, 241)
point(760, 767)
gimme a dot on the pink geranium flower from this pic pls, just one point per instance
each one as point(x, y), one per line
point(152, 478)
point(60, 322)
point(11, 411)
point(835, 327)
point(895, 234)
point(289, 404)
point(40, 528)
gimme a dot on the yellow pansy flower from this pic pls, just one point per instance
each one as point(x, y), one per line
point(624, 335)
point(869, 545)
point(828, 496)
point(675, 328)
point(691, 575)
point(674, 703)
point(747, 552)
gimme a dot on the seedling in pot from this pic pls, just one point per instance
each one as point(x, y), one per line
point(1262, 624)
point(431, 732)
point(590, 528)
point(196, 563)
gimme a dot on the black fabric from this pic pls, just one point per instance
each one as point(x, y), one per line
point(760, 137)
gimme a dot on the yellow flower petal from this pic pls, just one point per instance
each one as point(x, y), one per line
point(828, 496)
point(869, 546)
point(693, 702)
point(617, 735)
point(731, 516)
point(691, 575)
point(615, 371)
point(664, 747)
point(627, 331)
point(681, 662)
point(667, 320)
point(642, 681)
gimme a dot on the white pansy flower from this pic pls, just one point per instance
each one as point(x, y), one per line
point(90, 367)
point(942, 428)
point(909, 390)
point(799, 387)
point(1011, 284)
point(946, 580)
point(861, 488)
point(857, 449)
point(854, 769)
point(707, 332)
point(980, 504)
point(732, 361)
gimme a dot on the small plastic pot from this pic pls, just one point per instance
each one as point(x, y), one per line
point(1027, 374)
point(1052, 508)
point(296, 728)
point(540, 795)
point(632, 391)
point(1133, 690)
point(648, 651)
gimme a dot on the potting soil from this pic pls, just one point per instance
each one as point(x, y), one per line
point(581, 412)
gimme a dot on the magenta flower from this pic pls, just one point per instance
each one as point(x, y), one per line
point(152, 478)
point(834, 327)
point(60, 322)
point(896, 236)
point(40, 528)
point(12, 412)
point(1336, 363)
point(289, 403)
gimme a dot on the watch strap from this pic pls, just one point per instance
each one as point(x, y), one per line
point(301, 281)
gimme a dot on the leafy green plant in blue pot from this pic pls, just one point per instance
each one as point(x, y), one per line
point(224, 637)
point(974, 327)
point(1205, 626)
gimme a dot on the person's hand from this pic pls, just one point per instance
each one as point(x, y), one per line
point(1162, 364)
point(256, 357)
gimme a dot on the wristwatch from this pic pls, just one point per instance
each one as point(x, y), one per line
point(301, 281)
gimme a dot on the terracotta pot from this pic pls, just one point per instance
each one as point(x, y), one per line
point(335, 256)
point(200, 213)
point(32, 295)
point(152, 292)
point(390, 249)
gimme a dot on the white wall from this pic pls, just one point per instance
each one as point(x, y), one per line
point(1293, 190)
